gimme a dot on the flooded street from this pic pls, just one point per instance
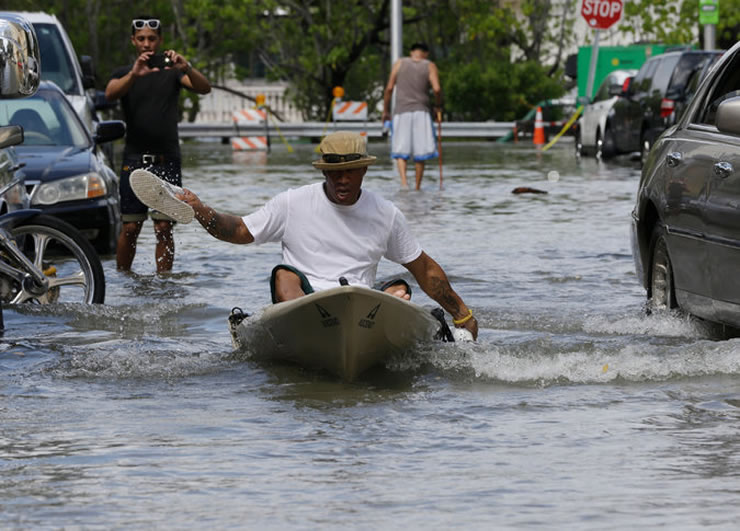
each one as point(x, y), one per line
point(574, 409)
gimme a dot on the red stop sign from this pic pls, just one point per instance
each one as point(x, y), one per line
point(601, 14)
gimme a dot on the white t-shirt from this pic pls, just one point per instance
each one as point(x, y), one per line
point(326, 241)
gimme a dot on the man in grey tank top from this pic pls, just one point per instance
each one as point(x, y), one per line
point(412, 131)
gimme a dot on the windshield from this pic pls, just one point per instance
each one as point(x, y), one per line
point(47, 120)
point(56, 64)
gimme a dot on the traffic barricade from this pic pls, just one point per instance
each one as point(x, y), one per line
point(250, 117)
point(350, 111)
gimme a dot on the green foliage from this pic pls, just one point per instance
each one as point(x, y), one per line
point(497, 90)
point(496, 57)
point(664, 21)
point(728, 29)
point(320, 44)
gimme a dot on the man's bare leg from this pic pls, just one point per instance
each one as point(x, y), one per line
point(126, 246)
point(419, 166)
point(164, 251)
point(287, 286)
point(402, 170)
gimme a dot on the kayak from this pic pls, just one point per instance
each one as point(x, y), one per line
point(344, 330)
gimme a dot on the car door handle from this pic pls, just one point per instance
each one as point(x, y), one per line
point(723, 169)
point(674, 159)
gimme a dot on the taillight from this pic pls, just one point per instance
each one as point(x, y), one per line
point(667, 107)
point(626, 85)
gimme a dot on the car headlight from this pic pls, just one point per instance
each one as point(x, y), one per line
point(74, 188)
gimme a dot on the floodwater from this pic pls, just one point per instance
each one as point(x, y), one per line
point(574, 410)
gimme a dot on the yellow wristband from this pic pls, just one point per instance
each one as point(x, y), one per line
point(464, 319)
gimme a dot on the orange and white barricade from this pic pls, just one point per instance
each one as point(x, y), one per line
point(350, 111)
point(249, 117)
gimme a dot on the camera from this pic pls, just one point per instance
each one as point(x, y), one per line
point(159, 60)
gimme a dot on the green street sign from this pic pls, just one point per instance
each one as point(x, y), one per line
point(708, 11)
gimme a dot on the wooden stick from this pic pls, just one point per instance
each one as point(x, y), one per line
point(439, 145)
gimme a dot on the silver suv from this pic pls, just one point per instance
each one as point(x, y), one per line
point(59, 63)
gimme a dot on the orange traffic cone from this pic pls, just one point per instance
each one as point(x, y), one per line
point(539, 129)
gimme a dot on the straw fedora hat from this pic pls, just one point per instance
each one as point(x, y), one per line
point(343, 150)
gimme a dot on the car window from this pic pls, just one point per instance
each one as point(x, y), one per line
point(47, 120)
point(56, 64)
point(641, 83)
point(725, 87)
point(687, 68)
point(662, 74)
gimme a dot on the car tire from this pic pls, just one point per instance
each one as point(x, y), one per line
point(661, 288)
point(579, 144)
point(606, 147)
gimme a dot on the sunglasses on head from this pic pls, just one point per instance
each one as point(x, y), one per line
point(333, 158)
point(139, 23)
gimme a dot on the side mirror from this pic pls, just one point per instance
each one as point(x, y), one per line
point(20, 59)
point(88, 72)
point(109, 130)
point(728, 116)
point(11, 135)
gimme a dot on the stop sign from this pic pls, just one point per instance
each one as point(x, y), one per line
point(601, 14)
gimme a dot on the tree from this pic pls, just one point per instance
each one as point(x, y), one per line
point(485, 48)
point(319, 44)
point(663, 21)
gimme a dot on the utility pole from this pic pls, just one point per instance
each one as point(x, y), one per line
point(396, 37)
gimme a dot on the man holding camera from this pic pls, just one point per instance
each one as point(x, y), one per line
point(149, 93)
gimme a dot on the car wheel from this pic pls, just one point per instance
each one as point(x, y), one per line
point(645, 146)
point(608, 149)
point(661, 288)
point(579, 144)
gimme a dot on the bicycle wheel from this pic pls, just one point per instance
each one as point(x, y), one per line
point(72, 269)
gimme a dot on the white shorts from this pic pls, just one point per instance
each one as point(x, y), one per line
point(413, 135)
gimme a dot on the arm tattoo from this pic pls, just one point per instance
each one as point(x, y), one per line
point(222, 226)
point(441, 291)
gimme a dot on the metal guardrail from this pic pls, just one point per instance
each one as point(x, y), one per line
point(319, 129)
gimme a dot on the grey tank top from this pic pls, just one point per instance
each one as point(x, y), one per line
point(412, 86)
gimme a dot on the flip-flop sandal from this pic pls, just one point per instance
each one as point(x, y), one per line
point(160, 195)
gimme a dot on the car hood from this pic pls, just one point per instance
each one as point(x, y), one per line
point(47, 163)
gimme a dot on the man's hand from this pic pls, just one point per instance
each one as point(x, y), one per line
point(471, 325)
point(141, 65)
point(178, 61)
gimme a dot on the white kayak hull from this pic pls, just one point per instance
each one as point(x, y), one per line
point(344, 330)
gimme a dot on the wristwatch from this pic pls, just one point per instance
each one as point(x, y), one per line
point(188, 68)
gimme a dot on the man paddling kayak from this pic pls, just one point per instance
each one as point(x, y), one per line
point(329, 230)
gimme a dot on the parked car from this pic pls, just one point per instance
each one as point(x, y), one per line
point(555, 114)
point(686, 222)
point(67, 174)
point(645, 109)
point(593, 120)
point(59, 63)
